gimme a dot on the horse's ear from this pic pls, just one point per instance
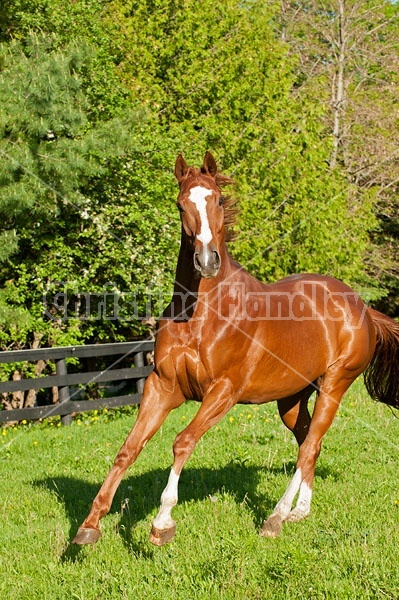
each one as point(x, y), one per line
point(181, 168)
point(209, 165)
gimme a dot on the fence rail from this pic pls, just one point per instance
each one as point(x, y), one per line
point(63, 380)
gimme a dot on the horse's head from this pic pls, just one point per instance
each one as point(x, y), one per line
point(200, 203)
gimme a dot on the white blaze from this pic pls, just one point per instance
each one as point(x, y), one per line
point(198, 195)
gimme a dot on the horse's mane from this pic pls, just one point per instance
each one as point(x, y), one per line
point(229, 205)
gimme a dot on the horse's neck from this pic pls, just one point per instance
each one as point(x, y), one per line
point(188, 282)
point(186, 286)
point(187, 278)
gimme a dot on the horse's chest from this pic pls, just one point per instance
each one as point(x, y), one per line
point(193, 376)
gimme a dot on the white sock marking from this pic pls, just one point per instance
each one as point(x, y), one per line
point(283, 507)
point(198, 195)
point(302, 508)
point(169, 498)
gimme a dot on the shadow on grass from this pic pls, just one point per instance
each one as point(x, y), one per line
point(139, 495)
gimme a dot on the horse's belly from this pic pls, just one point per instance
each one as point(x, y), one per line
point(277, 377)
point(259, 391)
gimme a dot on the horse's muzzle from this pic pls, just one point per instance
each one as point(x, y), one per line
point(207, 261)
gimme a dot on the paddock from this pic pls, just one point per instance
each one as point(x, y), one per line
point(347, 548)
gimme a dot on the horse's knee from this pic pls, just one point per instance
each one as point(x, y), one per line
point(124, 459)
point(184, 444)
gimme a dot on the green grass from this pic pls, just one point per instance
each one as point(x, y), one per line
point(347, 548)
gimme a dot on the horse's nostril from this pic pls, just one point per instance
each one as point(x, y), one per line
point(197, 263)
point(216, 258)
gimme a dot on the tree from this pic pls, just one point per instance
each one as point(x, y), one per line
point(96, 131)
point(348, 53)
point(52, 149)
point(221, 80)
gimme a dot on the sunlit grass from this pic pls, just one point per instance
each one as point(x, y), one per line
point(347, 548)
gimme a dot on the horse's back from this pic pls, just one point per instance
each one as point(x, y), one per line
point(314, 323)
point(270, 340)
point(304, 324)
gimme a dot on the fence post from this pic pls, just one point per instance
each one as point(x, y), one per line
point(63, 392)
point(139, 362)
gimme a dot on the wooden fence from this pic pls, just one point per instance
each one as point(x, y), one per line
point(63, 380)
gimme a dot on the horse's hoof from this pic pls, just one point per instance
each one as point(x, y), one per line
point(86, 536)
point(160, 537)
point(297, 515)
point(272, 527)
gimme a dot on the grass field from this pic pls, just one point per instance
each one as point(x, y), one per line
point(347, 548)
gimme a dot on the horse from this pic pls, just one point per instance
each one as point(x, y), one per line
point(227, 338)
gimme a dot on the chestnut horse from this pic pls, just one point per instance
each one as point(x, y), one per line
point(227, 338)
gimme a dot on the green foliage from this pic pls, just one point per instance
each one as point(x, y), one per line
point(52, 148)
point(66, 21)
point(347, 55)
point(312, 222)
point(98, 97)
point(224, 80)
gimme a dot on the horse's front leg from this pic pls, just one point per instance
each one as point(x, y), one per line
point(216, 403)
point(155, 406)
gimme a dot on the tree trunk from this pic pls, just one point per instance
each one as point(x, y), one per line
point(338, 84)
point(30, 399)
point(55, 395)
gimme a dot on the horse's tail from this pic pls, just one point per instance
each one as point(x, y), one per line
point(381, 377)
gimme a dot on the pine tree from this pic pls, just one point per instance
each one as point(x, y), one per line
point(51, 148)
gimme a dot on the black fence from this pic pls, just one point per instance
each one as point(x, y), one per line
point(67, 405)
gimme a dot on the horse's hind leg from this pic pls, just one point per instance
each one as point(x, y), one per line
point(332, 387)
point(295, 416)
point(155, 406)
point(294, 413)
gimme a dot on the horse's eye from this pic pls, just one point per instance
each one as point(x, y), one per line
point(221, 200)
point(180, 208)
